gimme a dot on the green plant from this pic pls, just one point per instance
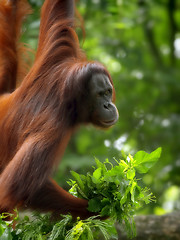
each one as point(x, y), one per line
point(112, 191)
point(5, 227)
point(41, 227)
point(115, 192)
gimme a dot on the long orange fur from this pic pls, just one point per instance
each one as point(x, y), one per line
point(37, 119)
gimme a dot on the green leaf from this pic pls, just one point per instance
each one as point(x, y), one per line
point(131, 174)
point(2, 229)
point(105, 211)
point(114, 174)
point(96, 176)
point(89, 235)
point(89, 181)
point(81, 193)
point(78, 180)
point(132, 191)
point(124, 165)
point(144, 161)
point(125, 196)
point(98, 163)
point(102, 165)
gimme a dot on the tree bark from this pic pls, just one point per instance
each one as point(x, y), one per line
point(152, 227)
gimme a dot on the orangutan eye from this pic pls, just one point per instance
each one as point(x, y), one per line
point(108, 92)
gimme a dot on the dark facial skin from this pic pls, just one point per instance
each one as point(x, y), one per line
point(105, 113)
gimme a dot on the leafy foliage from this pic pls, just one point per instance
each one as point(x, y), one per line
point(5, 227)
point(112, 191)
point(116, 192)
point(42, 227)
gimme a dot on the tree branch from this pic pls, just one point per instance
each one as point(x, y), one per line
point(155, 227)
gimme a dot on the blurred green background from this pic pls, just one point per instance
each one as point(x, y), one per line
point(139, 42)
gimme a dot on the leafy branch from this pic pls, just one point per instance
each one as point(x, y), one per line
point(115, 192)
